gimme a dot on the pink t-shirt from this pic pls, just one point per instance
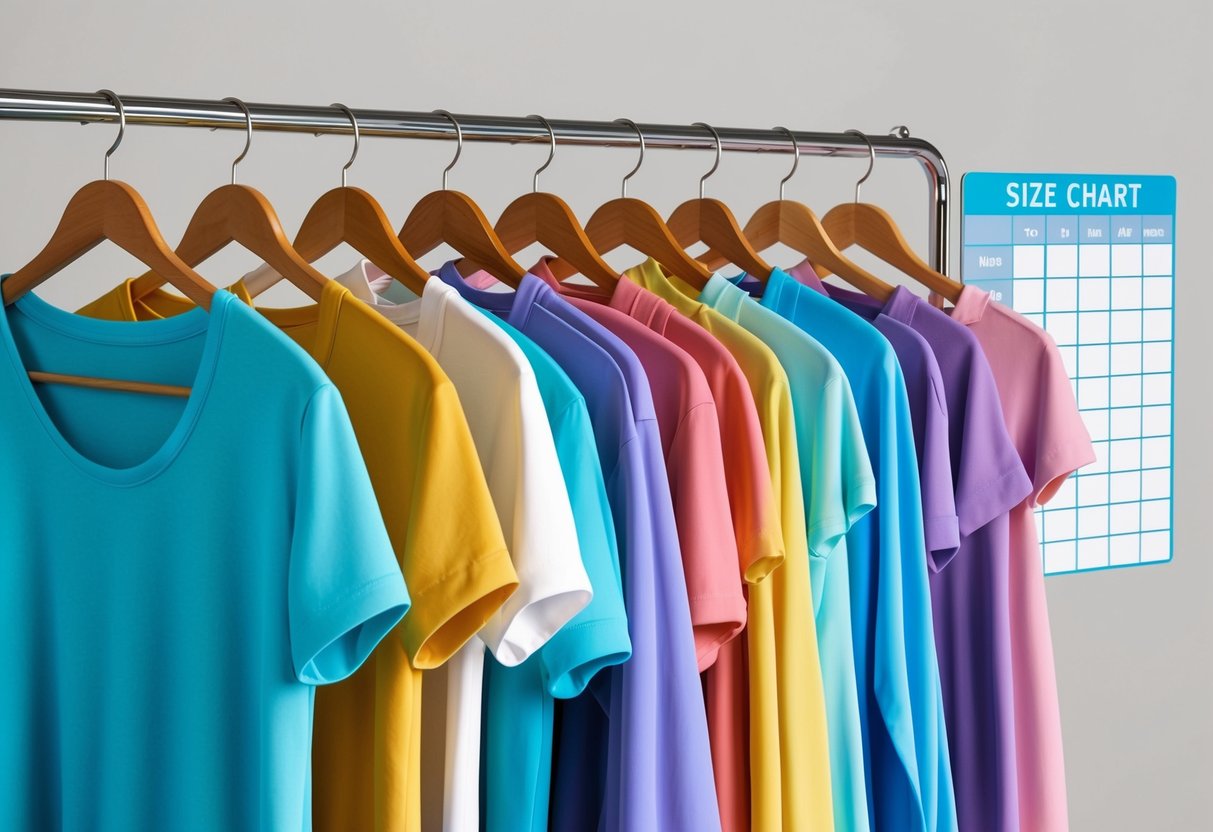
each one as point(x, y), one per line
point(1047, 430)
point(690, 437)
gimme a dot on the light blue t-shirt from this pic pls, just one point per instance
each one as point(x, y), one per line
point(839, 489)
point(516, 742)
point(178, 572)
point(901, 704)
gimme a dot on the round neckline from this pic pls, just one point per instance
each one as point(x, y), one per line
point(145, 333)
point(323, 314)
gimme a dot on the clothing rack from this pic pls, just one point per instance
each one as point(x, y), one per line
point(87, 108)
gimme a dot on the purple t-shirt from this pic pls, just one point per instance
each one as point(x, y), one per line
point(970, 598)
point(632, 752)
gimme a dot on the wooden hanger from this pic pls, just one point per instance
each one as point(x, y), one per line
point(547, 219)
point(352, 216)
point(795, 225)
point(710, 221)
point(239, 214)
point(874, 230)
point(631, 222)
point(453, 218)
point(107, 209)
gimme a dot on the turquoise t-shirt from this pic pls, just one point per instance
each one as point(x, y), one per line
point(836, 477)
point(516, 738)
point(178, 572)
point(901, 703)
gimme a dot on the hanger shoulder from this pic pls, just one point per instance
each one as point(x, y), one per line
point(546, 218)
point(240, 214)
point(632, 222)
point(353, 216)
point(452, 217)
point(114, 211)
point(710, 221)
point(873, 229)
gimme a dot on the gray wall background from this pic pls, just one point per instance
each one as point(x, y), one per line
point(1032, 86)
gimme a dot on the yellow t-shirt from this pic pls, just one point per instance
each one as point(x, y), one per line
point(789, 742)
point(366, 750)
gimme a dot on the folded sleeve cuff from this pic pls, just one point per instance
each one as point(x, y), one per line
point(446, 614)
point(339, 640)
point(574, 655)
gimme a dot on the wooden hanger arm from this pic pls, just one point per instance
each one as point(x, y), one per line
point(108, 210)
point(546, 219)
point(873, 229)
point(351, 215)
point(453, 218)
point(710, 221)
point(631, 222)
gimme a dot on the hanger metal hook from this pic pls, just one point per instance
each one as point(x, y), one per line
point(357, 138)
point(795, 158)
point(248, 133)
point(719, 151)
point(113, 98)
point(551, 150)
point(623, 186)
point(871, 160)
point(458, 145)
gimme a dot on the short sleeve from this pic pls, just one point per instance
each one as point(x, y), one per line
point(990, 477)
point(940, 525)
point(531, 499)
point(597, 637)
point(1063, 444)
point(751, 498)
point(843, 487)
point(695, 466)
point(459, 573)
point(345, 590)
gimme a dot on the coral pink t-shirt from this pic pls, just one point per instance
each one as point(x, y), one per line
point(1047, 430)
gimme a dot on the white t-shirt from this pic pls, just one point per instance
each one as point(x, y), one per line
point(509, 426)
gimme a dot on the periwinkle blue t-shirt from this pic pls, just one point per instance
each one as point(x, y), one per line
point(519, 701)
point(905, 739)
point(177, 573)
point(632, 752)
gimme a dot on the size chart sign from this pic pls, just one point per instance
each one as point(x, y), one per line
point(1091, 259)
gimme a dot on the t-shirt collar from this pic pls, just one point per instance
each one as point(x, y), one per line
point(970, 306)
point(421, 317)
point(723, 295)
point(807, 275)
point(901, 305)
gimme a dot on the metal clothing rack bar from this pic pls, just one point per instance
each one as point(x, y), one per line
point(85, 108)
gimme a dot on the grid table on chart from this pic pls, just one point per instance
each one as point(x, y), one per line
point(1102, 286)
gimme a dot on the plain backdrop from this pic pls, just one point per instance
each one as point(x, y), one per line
point(1083, 86)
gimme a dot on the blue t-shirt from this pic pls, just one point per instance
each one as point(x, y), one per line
point(178, 572)
point(901, 704)
point(516, 744)
point(633, 750)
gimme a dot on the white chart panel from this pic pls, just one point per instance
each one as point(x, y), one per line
point(1091, 259)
